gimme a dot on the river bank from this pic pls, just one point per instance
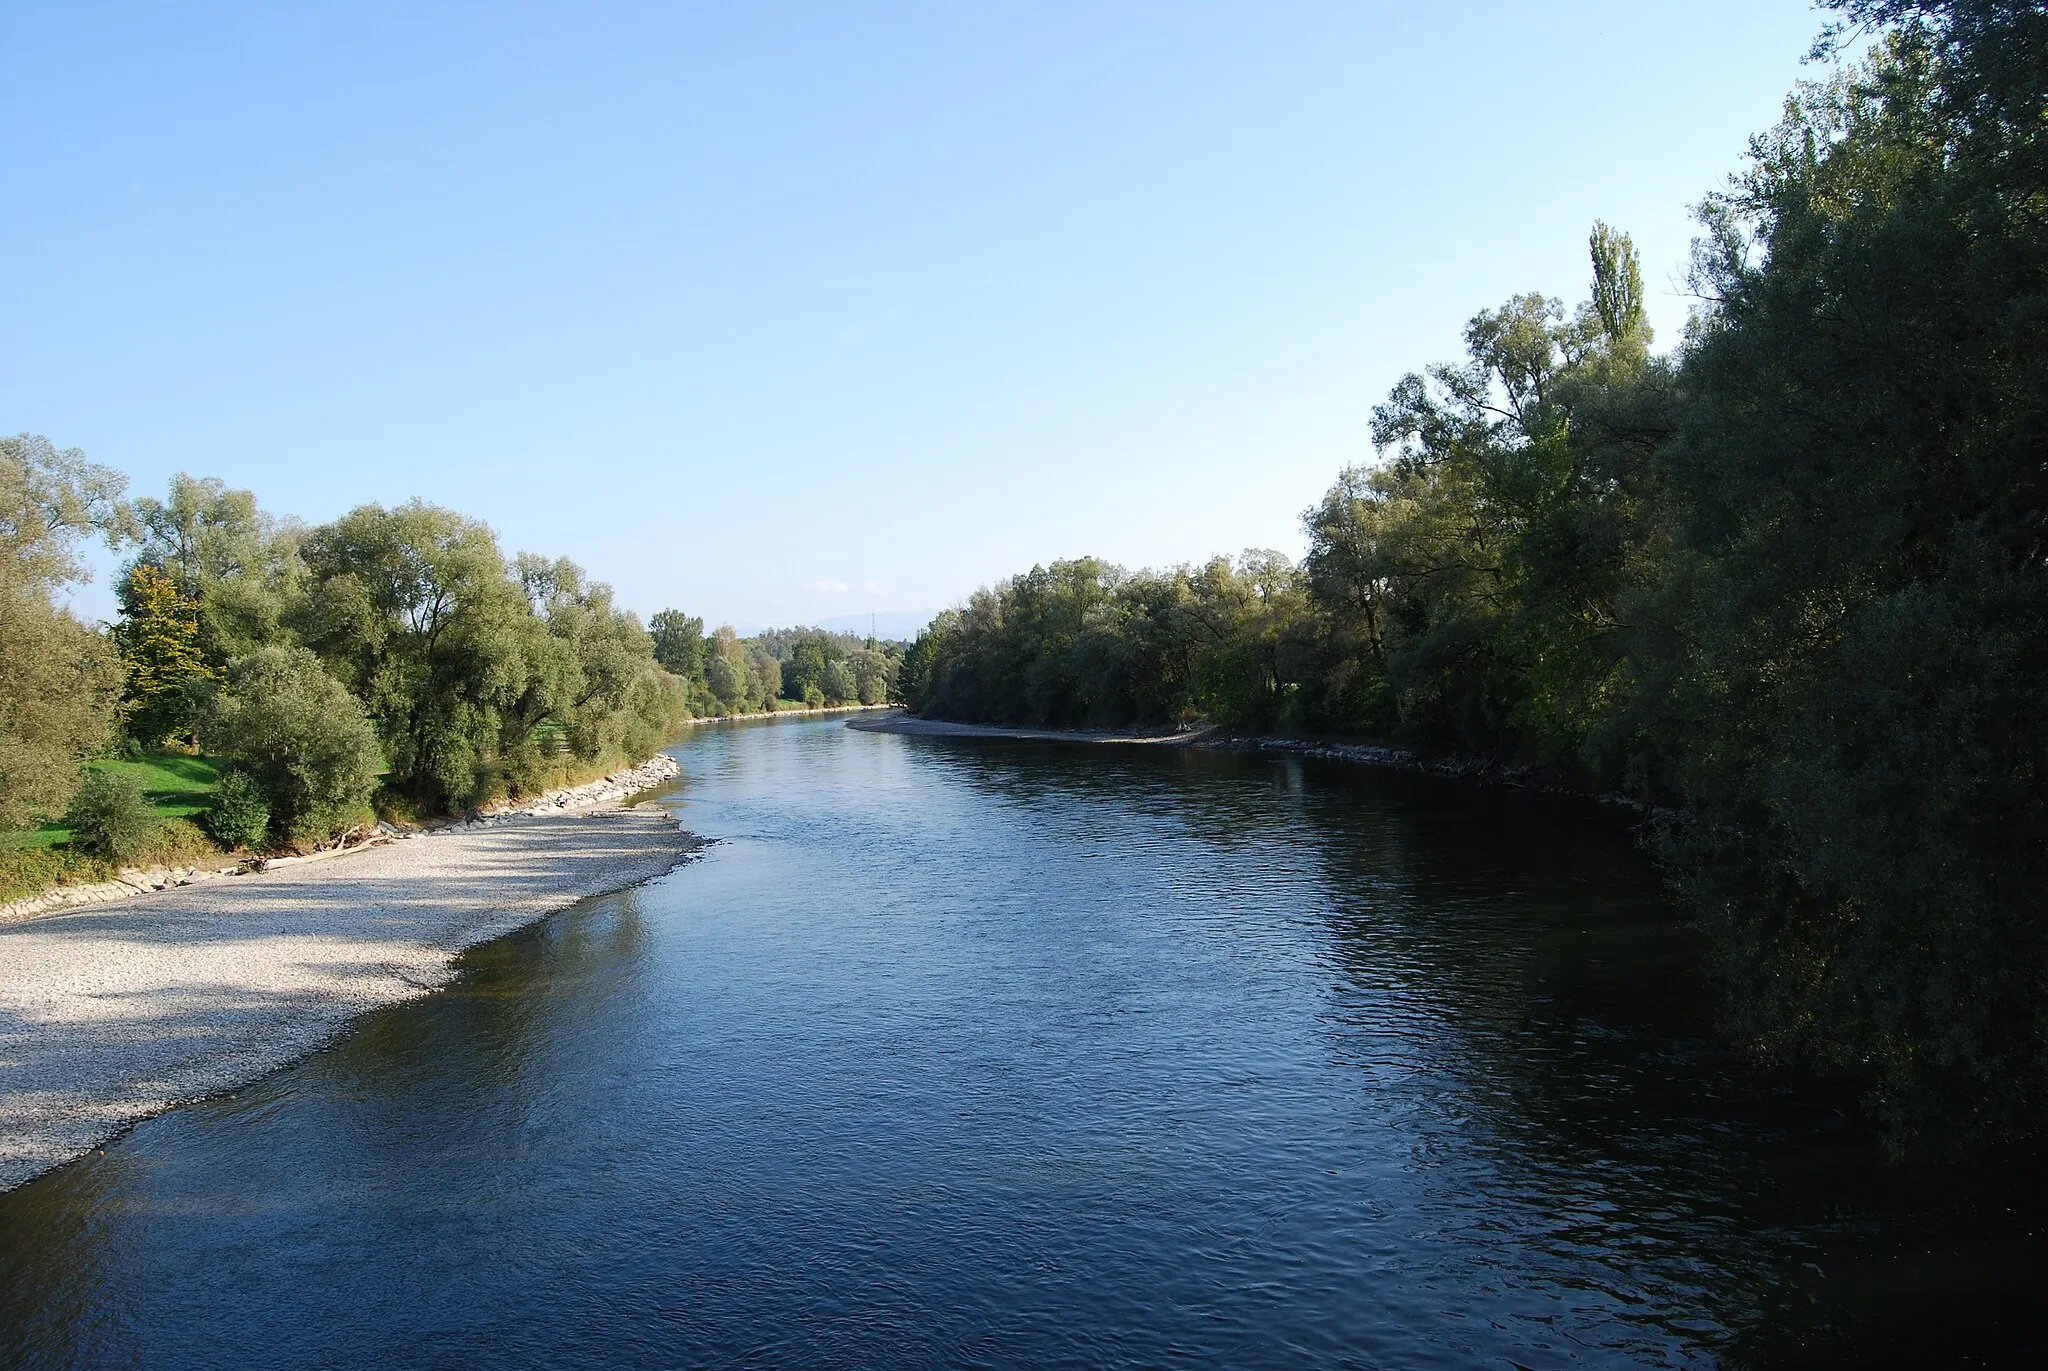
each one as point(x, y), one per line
point(806, 711)
point(132, 881)
point(1478, 769)
point(112, 1013)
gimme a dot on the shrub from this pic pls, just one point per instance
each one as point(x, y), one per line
point(109, 818)
point(178, 842)
point(303, 736)
point(241, 815)
point(26, 871)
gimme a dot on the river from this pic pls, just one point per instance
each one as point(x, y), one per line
point(970, 1053)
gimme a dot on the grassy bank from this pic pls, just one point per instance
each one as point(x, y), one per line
point(176, 786)
point(179, 789)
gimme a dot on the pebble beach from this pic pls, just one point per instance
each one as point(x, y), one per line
point(118, 1010)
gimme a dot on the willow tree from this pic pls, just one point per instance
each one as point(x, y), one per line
point(416, 610)
point(59, 679)
point(592, 674)
point(239, 564)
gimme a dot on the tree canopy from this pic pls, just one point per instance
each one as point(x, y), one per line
point(59, 679)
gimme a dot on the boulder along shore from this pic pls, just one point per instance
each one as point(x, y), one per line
point(113, 1012)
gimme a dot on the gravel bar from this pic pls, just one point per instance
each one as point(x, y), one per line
point(112, 1013)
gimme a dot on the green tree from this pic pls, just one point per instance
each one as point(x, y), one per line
point(1487, 569)
point(417, 611)
point(598, 679)
point(240, 565)
point(159, 641)
point(1244, 620)
point(51, 500)
point(807, 675)
point(1862, 598)
point(924, 660)
point(874, 674)
point(763, 676)
point(729, 671)
point(726, 682)
point(302, 735)
point(842, 682)
point(240, 816)
point(59, 688)
point(678, 643)
point(59, 679)
point(109, 817)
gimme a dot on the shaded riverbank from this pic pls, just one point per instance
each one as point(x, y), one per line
point(899, 722)
point(1483, 770)
point(807, 712)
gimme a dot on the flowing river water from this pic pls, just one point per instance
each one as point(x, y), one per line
point(969, 1053)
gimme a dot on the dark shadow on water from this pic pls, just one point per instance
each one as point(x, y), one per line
point(1617, 1127)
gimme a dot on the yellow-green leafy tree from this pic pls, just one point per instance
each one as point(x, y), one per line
point(160, 655)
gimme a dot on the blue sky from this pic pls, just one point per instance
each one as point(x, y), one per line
point(780, 313)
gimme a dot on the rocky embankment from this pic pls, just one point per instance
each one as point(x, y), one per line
point(612, 789)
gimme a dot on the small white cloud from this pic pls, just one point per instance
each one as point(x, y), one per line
point(826, 587)
point(870, 587)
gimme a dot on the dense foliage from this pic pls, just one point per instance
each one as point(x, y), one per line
point(240, 816)
point(109, 817)
point(1861, 507)
point(393, 651)
point(159, 641)
point(59, 679)
point(1787, 581)
point(301, 735)
point(727, 674)
point(398, 640)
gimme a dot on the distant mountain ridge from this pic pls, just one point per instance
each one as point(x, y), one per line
point(897, 625)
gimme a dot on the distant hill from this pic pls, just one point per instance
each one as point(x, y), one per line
point(899, 625)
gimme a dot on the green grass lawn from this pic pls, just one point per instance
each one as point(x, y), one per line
point(176, 786)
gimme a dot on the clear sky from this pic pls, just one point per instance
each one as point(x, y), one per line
point(783, 312)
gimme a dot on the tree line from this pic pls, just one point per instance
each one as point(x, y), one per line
point(728, 674)
point(1785, 581)
point(393, 656)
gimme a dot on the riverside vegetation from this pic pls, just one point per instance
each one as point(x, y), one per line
point(1786, 582)
point(270, 685)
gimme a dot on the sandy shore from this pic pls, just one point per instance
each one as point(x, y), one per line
point(115, 1012)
